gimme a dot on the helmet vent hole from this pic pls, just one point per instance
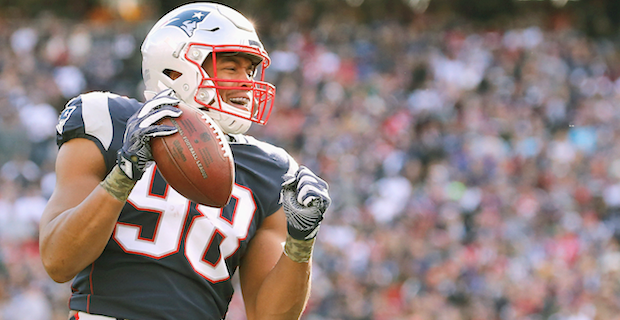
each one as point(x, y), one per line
point(172, 74)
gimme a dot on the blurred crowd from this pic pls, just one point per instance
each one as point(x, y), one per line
point(473, 170)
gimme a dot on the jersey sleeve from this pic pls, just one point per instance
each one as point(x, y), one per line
point(100, 117)
point(264, 166)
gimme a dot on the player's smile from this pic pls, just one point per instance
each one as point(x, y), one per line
point(237, 99)
point(242, 102)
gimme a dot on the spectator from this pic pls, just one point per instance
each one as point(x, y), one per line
point(500, 144)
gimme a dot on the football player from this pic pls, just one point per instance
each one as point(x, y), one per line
point(134, 247)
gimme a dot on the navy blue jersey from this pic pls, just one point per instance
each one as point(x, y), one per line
point(168, 257)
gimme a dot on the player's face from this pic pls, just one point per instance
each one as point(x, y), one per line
point(233, 68)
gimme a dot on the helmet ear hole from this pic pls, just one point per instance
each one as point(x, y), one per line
point(172, 74)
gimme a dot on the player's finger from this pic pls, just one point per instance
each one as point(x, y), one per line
point(312, 180)
point(160, 131)
point(167, 92)
point(308, 193)
point(289, 180)
point(157, 103)
point(160, 114)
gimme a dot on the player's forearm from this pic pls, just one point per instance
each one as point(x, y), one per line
point(76, 237)
point(304, 200)
point(285, 291)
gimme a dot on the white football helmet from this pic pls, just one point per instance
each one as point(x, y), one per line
point(181, 41)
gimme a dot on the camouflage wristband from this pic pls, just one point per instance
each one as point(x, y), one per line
point(117, 184)
point(298, 250)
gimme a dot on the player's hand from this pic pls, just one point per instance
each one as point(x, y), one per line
point(141, 127)
point(305, 199)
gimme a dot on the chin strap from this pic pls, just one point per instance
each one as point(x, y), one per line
point(228, 123)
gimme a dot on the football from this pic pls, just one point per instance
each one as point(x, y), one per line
point(196, 161)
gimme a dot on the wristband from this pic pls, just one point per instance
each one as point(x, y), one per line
point(117, 184)
point(298, 250)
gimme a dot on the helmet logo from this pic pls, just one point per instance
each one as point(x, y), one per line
point(188, 20)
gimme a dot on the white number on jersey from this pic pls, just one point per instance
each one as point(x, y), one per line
point(173, 210)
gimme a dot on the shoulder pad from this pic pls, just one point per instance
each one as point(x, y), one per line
point(94, 114)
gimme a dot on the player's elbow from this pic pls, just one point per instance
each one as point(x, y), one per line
point(56, 269)
point(57, 274)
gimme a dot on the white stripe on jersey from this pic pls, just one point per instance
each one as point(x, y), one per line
point(96, 116)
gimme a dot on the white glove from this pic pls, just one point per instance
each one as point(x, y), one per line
point(305, 199)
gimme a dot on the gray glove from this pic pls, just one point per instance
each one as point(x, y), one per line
point(136, 150)
point(305, 199)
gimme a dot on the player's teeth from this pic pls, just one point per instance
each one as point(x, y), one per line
point(239, 100)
